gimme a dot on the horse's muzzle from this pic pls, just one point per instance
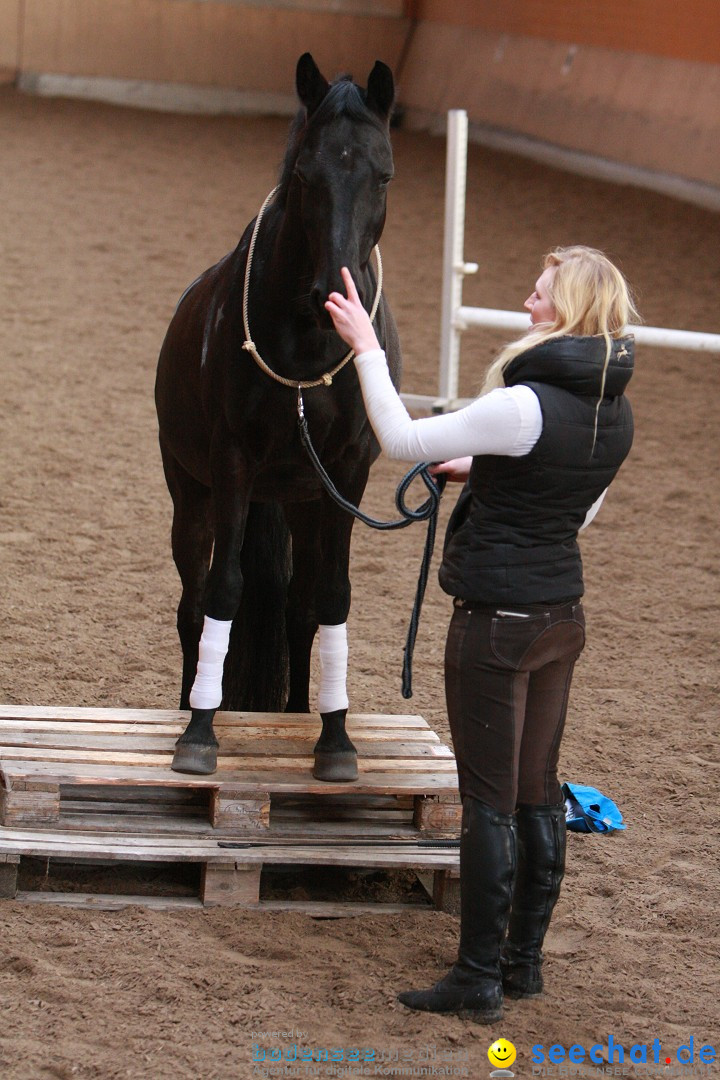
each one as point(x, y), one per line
point(319, 295)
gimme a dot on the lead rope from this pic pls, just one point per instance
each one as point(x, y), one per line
point(427, 511)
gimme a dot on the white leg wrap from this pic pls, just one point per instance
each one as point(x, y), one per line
point(333, 650)
point(206, 692)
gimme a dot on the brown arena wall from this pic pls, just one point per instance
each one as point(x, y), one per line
point(223, 45)
point(9, 39)
point(633, 82)
point(678, 29)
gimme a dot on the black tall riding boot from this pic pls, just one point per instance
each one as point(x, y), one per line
point(473, 987)
point(541, 866)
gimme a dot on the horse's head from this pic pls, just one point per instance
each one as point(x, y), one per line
point(341, 173)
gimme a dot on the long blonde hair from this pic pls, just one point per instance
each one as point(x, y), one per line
point(590, 297)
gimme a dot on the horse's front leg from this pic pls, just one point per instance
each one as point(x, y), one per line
point(318, 582)
point(196, 749)
point(335, 754)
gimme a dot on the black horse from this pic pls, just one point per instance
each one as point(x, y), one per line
point(256, 540)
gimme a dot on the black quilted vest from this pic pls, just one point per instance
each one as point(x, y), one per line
point(512, 538)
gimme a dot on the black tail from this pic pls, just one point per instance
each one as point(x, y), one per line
point(256, 667)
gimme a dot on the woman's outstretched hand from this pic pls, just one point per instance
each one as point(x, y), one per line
point(350, 318)
point(457, 469)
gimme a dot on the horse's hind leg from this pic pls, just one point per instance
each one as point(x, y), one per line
point(300, 619)
point(192, 539)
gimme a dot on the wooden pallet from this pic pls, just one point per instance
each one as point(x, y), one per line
point(230, 870)
point(96, 785)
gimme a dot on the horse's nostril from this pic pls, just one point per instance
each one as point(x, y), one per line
point(317, 306)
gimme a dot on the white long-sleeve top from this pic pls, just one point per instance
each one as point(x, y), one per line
point(506, 421)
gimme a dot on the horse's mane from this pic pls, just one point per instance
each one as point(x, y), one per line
point(344, 98)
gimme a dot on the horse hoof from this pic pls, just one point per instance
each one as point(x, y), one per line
point(335, 767)
point(194, 758)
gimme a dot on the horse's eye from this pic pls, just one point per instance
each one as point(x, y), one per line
point(385, 180)
point(300, 175)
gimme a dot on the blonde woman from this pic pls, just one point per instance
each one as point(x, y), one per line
point(536, 450)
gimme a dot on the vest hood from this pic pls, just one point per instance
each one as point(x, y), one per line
point(576, 364)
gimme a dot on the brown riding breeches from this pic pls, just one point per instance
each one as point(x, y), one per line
point(507, 679)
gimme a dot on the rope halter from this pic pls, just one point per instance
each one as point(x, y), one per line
point(249, 344)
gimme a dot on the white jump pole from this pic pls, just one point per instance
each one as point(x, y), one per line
point(693, 340)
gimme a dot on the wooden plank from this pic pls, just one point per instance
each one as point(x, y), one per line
point(82, 727)
point(346, 799)
point(41, 762)
point(235, 808)
point(354, 822)
point(441, 780)
point(49, 842)
point(29, 806)
point(104, 902)
point(36, 785)
point(201, 828)
point(145, 745)
point(280, 724)
point(224, 884)
point(436, 814)
point(186, 849)
point(238, 763)
point(443, 888)
point(128, 814)
point(446, 890)
point(315, 908)
point(165, 716)
point(386, 857)
point(165, 825)
point(302, 855)
point(64, 712)
point(94, 808)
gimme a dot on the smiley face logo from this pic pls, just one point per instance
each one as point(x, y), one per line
point(502, 1054)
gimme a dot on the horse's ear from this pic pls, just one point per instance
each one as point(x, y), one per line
point(380, 90)
point(311, 85)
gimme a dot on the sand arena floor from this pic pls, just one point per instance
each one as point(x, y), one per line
point(107, 215)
